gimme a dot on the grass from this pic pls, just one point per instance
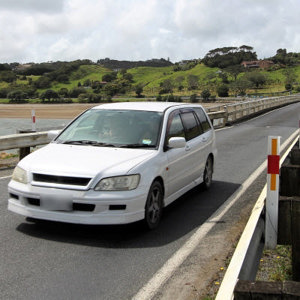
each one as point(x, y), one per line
point(276, 265)
point(151, 78)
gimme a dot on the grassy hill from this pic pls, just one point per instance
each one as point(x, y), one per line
point(151, 79)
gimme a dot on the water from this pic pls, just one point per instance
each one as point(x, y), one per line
point(11, 125)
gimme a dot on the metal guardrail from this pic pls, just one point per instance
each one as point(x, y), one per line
point(245, 260)
point(219, 115)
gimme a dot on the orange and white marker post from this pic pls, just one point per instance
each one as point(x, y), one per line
point(33, 126)
point(272, 192)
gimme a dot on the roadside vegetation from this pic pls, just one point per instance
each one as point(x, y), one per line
point(221, 73)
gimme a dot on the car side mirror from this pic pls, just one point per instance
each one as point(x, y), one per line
point(177, 142)
point(52, 134)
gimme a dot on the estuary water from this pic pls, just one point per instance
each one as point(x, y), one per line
point(12, 125)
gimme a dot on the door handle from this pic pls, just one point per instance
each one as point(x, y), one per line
point(187, 148)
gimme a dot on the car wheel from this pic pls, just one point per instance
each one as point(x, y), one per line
point(154, 205)
point(208, 172)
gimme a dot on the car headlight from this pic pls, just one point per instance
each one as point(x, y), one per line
point(118, 183)
point(19, 175)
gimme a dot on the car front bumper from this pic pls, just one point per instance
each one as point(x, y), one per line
point(73, 206)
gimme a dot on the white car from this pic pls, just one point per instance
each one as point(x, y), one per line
point(117, 163)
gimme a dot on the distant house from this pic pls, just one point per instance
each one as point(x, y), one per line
point(262, 64)
point(22, 67)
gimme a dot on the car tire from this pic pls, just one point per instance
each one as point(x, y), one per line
point(154, 205)
point(208, 172)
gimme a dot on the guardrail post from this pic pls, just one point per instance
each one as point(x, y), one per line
point(24, 151)
point(272, 192)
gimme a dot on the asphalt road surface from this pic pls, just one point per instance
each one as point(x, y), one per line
point(48, 260)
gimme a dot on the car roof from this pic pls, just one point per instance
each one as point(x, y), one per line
point(146, 106)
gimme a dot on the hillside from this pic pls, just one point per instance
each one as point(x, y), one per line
point(93, 82)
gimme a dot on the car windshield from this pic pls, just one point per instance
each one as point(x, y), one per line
point(114, 128)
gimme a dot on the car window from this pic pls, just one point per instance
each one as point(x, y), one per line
point(203, 119)
point(175, 128)
point(190, 124)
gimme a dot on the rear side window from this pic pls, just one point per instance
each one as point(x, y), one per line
point(190, 124)
point(203, 119)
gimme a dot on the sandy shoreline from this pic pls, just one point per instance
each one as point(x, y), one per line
point(51, 111)
point(43, 111)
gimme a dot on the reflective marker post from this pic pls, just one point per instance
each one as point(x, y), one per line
point(33, 126)
point(272, 192)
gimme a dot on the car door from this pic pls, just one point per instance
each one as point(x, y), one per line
point(195, 156)
point(177, 168)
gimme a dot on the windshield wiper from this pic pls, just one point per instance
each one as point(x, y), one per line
point(88, 142)
point(79, 142)
point(138, 146)
point(99, 144)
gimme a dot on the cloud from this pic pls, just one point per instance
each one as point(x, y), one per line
point(134, 29)
point(32, 5)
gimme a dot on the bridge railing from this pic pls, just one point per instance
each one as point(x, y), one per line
point(219, 115)
point(230, 113)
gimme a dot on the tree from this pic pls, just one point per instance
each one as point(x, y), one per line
point(109, 77)
point(49, 94)
point(290, 76)
point(228, 56)
point(17, 96)
point(234, 70)
point(192, 81)
point(42, 83)
point(240, 86)
point(63, 78)
point(166, 86)
point(179, 80)
point(63, 92)
point(8, 76)
point(205, 95)
point(223, 90)
point(139, 90)
point(75, 92)
point(128, 77)
point(193, 98)
point(258, 79)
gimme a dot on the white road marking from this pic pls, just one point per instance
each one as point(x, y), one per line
point(149, 290)
point(5, 177)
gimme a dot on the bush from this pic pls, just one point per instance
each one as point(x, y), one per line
point(169, 98)
point(205, 95)
point(17, 97)
point(223, 90)
point(193, 98)
point(288, 86)
point(159, 98)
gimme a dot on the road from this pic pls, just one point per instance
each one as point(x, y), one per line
point(47, 260)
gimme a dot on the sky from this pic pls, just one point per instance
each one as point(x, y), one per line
point(66, 30)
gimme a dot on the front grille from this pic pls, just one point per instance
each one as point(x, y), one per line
point(81, 181)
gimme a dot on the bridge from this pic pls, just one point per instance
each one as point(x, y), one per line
point(180, 259)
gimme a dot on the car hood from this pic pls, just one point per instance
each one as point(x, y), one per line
point(84, 161)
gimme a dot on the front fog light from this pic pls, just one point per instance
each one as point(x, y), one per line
point(19, 175)
point(118, 183)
